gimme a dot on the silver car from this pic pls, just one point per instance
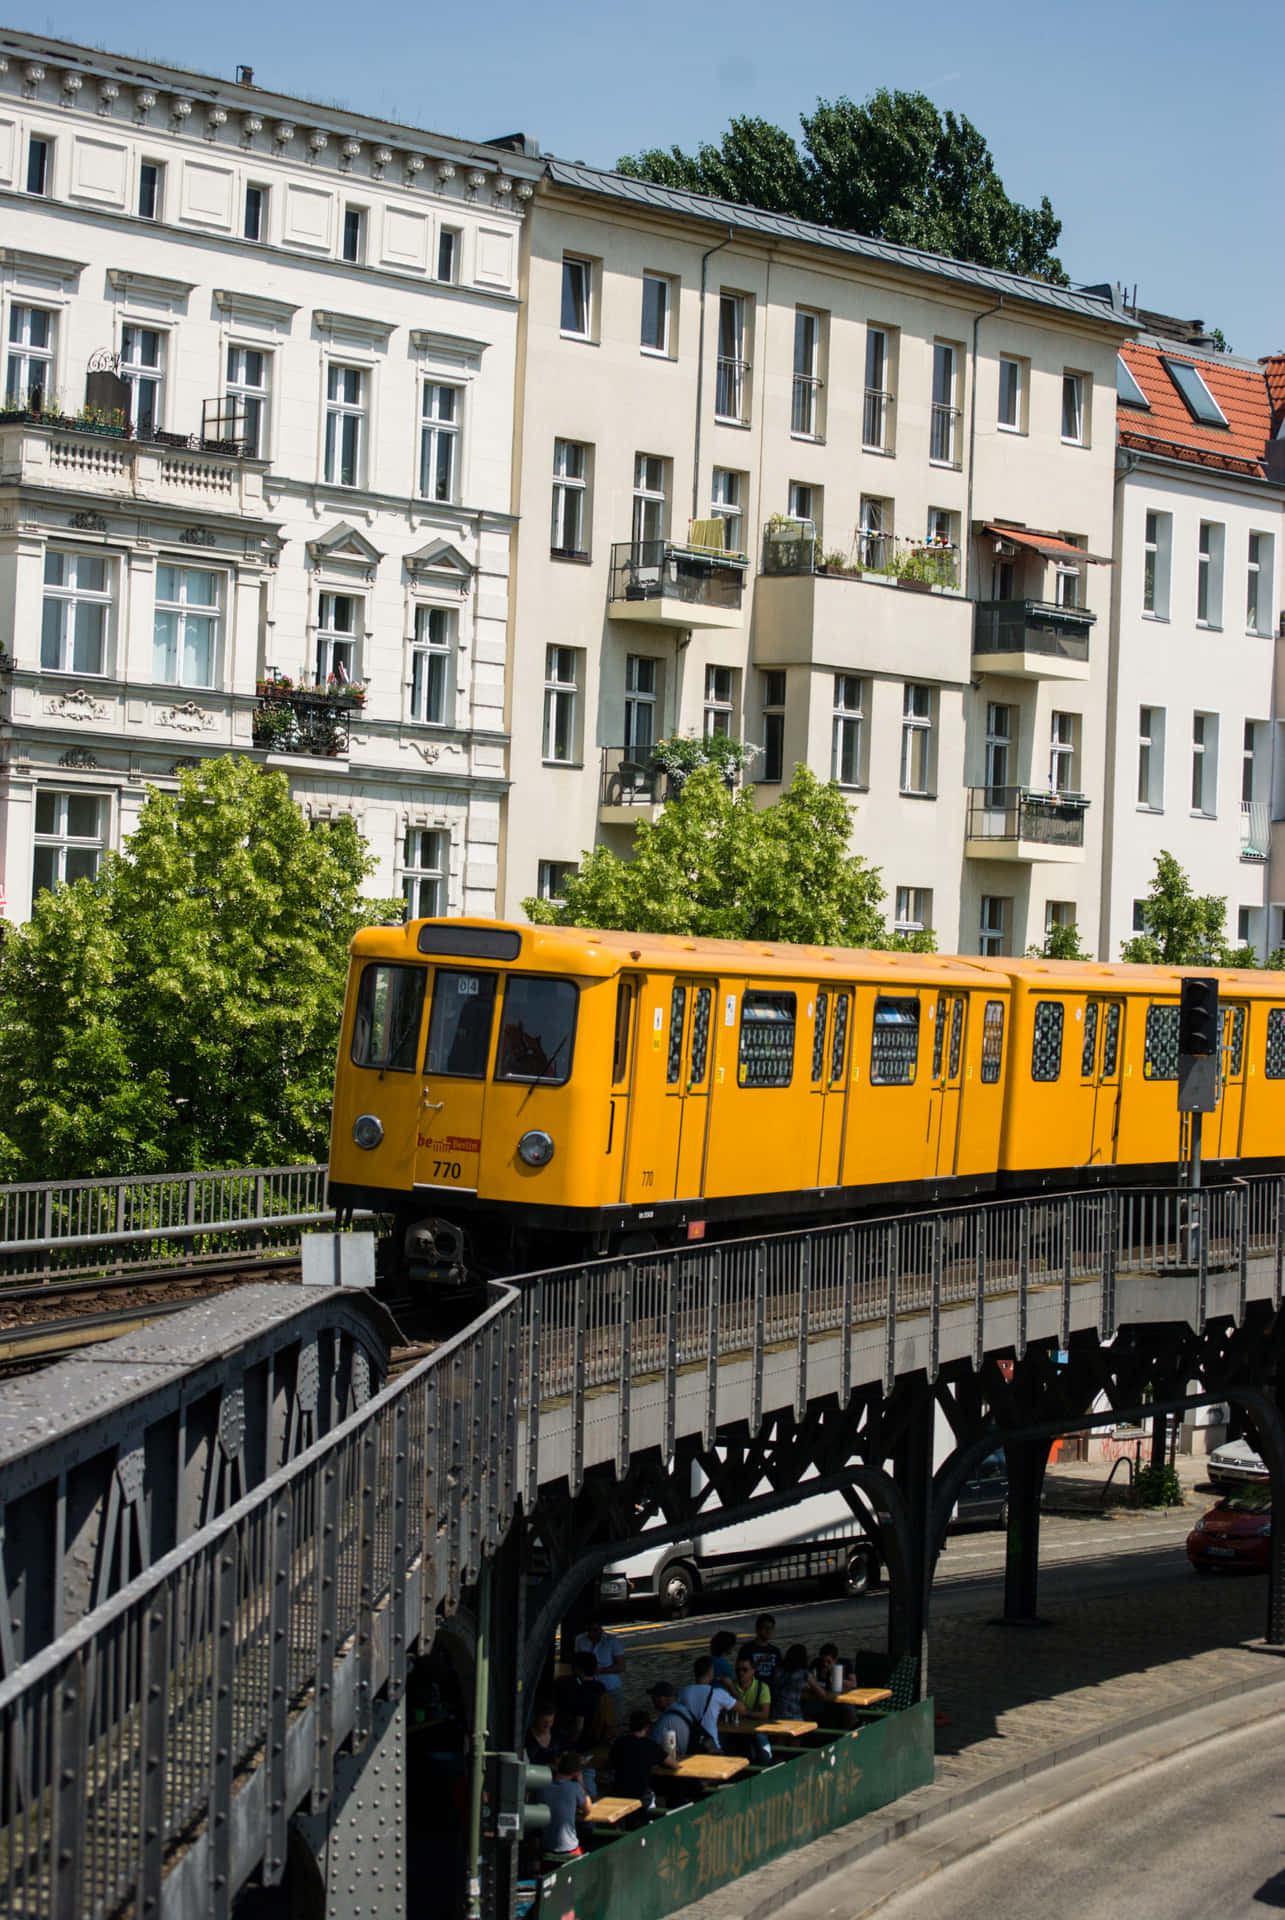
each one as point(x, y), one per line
point(1235, 1463)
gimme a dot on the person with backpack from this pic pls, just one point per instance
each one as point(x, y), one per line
point(672, 1728)
point(706, 1699)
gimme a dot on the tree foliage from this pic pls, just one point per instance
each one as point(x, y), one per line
point(182, 1008)
point(894, 167)
point(718, 866)
point(1060, 943)
point(1185, 929)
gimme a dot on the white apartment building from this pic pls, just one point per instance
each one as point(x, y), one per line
point(705, 388)
point(306, 321)
point(1197, 761)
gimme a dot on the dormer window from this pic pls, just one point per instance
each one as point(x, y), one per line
point(1199, 402)
point(1127, 390)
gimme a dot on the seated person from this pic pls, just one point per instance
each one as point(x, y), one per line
point(567, 1801)
point(820, 1684)
point(608, 1653)
point(540, 1746)
point(790, 1681)
point(633, 1756)
point(720, 1652)
point(753, 1696)
point(705, 1700)
point(669, 1721)
point(582, 1702)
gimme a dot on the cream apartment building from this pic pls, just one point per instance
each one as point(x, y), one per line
point(683, 364)
point(308, 321)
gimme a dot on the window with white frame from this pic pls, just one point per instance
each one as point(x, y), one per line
point(731, 390)
point(561, 704)
point(1245, 924)
point(1059, 914)
point(151, 189)
point(1073, 416)
point(1064, 753)
point(75, 631)
point(70, 836)
point(339, 627)
point(848, 731)
point(876, 419)
point(186, 625)
point(254, 222)
point(874, 533)
point(720, 700)
point(805, 413)
point(642, 679)
point(552, 877)
point(1012, 395)
point(1151, 758)
point(1157, 541)
point(654, 328)
point(439, 441)
point(994, 921)
point(999, 753)
point(40, 165)
point(805, 503)
point(917, 739)
point(1066, 584)
point(248, 373)
point(432, 656)
point(725, 505)
point(772, 684)
point(345, 450)
point(568, 535)
point(1249, 761)
point(425, 856)
point(29, 368)
point(942, 535)
point(945, 442)
point(353, 242)
point(913, 910)
point(448, 254)
point(1204, 763)
point(577, 292)
point(650, 488)
point(1258, 583)
point(142, 368)
point(1139, 921)
point(1209, 574)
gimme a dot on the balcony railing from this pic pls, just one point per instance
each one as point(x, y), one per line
point(729, 388)
point(1032, 626)
point(806, 407)
point(630, 778)
point(944, 437)
point(1014, 813)
point(658, 570)
point(877, 422)
point(1255, 829)
point(306, 718)
point(223, 425)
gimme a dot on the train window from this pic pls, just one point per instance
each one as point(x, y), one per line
point(1046, 1047)
point(894, 1047)
point(537, 1029)
point(1111, 1040)
point(839, 1039)
point(1089, 1055)
point(459, 1026)
point(818, 1037)
point(956, 1037)
point(939, 1036)
point(1276, 1044)
point(385, 1029)
point(992, 1042)
point(767, 1040)
point(624, 1021)
point(700, 1035)
point(1237, 1042)
point(470, 943)
point(1160, 1047)
point(677, 1008)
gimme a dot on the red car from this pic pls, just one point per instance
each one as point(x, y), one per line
point(1235, 1533)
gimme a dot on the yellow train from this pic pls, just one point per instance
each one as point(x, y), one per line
point(517, 1096)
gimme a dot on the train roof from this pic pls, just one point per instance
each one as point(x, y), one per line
point(1096, 976)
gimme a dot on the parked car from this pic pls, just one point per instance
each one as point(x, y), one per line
point(1235, 1533)
point(984, 1495)
point(1235, 1463)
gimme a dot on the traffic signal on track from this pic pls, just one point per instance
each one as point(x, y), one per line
point(511, 1780)
point(1198, 1017)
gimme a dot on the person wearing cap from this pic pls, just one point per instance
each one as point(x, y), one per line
point(669, 1720)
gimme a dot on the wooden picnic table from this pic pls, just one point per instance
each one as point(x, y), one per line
point(703, 1766)
point(608, 1811)
point(863, 1696)
point(792, 1729)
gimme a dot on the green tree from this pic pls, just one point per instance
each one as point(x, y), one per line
point(182, 1008)
point(718, 866)
point(1060, 943)
point(894, 167)
point(1182, 928)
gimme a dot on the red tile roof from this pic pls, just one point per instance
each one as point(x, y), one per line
point(1274, 367)
point(1168, 428)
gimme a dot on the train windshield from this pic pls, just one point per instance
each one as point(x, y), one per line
point(385, 1028)
point(537, 1029)
point(459, 1027)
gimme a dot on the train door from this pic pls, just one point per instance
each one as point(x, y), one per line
point(831, 1035)
point(687, 1078)
point(461, 1017)
point(948, 1073)
point(1100, 1069)
point(1231, 1105)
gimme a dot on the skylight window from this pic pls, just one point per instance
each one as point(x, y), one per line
point(1200, 403)
point(1127, 390)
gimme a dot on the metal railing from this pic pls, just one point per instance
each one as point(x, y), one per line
point(1032, 626)
point(876, 419)
point(1013, 813)
point(56, 1229)
point(1255, 829)
point(729, 388)
point(631, 778)
point(944, 435)
point(660, 570)
point(805, 405)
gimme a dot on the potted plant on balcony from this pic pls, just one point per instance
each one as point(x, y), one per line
point(345, 693)
point(678, 758)
point(842, 565)
point(272, 727)
point(109, 421)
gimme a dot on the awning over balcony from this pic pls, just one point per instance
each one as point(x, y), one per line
point(1051, 545)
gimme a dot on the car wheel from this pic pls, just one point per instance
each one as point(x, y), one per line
point(677, 1590)
point(861, 1572)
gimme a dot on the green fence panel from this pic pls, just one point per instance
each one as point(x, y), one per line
point(696, 1849)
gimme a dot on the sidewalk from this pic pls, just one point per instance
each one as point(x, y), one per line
point(1021, 1700)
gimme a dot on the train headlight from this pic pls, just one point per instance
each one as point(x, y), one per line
point(536, 1149)
point(367, 1130)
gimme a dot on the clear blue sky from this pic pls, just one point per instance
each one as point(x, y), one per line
point(1156, 131)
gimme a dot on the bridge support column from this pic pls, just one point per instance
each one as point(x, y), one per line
point(508, 1709)
point(359, 1843)
point(1026, 1460)
point(911, 1584)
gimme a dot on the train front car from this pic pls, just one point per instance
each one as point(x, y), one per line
point(470, 1062)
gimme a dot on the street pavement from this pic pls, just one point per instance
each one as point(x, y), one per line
point(1130, 1638)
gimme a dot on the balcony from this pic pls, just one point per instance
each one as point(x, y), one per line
point(841, 615)
point(669, 585)
point(1011, 823)
point(1255, 830)
point(98, 458)
point(308, 718)
point(1032, 639)
point(631, 787)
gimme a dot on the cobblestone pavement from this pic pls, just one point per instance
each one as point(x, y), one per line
point(1021, 1699)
